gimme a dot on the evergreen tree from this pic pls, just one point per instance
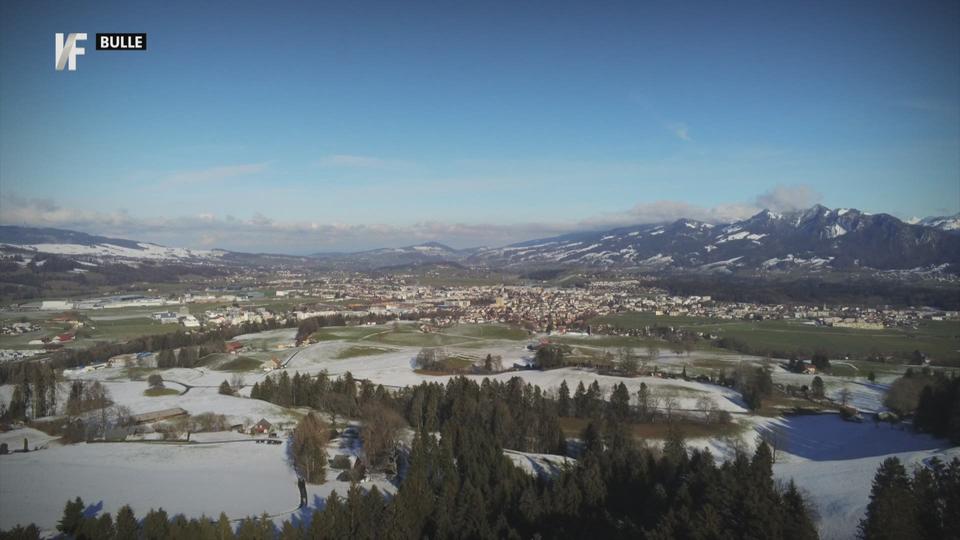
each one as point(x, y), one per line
point(563, 399)
point(126, 525)
point(891, 513)
point(72, 518)
point(619, 407)
point(156, 525)
point(816, 388)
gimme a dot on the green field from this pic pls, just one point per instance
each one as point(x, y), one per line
point(241, 363)
point(938, 339)
point(361, 350)
point(156, 392)
point(488, 331)
point(405, 335)
point(125, 329)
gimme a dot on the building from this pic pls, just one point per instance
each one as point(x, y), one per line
point(166, 317)
point(261, 427)
point(189, 321)
point(55, 305)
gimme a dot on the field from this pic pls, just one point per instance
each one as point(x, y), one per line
point(157, 392)
point(832, 460)
point(361, 350)
point(235, 476)
point(240, 363)
point(938, 339)
point(835, 461)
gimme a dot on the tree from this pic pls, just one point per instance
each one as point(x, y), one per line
point(845, 395)
point(381, 429)
point(126, 526)
point(891, 512)
point(816, 388)
point(309, 448)
point(820, 361)
point(675, 447)
point(580, 400)
point(156, 525)
point(797, 522)
point(619, 407)
point(563, 399)
point(549, 357)
point(628, 362)
point(155, 380)
point(225, 388)
point(72, 518)
point(669, 404)
point(643, 401)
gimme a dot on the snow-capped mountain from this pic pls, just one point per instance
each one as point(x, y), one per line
point(817, 237)
point(73, 243)
point(814, 238)
point(429, 252)
point(944, 223)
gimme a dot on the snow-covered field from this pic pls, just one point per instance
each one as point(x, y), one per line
point(835, 461)
point(238, 477)
point(396, 369)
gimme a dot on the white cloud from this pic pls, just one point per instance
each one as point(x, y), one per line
point(262, 233)
point(786, 198)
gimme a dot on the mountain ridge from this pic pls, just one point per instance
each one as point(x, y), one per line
point(813, 238)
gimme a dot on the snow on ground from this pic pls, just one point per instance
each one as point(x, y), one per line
point(840, 490)
point(196, 401)
point(835, 461)
point(35, 438)
point(240, 478)
point(544, 465)
point(396, 369)
point(280, 334)
point(237, 478)
point(864, 395)
point(145, 251)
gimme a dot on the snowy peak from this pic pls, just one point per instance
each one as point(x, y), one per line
point(73, 243)
point(944, 223)
point(814, 238)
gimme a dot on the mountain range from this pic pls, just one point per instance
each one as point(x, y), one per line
point(814, 238)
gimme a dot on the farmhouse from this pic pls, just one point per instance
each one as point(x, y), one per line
point(261, 427)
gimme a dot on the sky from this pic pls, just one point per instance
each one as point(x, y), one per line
point(308, 127)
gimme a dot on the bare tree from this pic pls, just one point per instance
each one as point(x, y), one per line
point(381, 428)
point(236, 382)
point(628, 362)
point(669, 404)
point(707, 406)
point(776, 438)
point(845, 396)
point(309, 448)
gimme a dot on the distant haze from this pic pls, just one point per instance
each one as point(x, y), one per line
point(305, 128)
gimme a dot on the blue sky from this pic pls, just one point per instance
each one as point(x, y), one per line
point(290, 127)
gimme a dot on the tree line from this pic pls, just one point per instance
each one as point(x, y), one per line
point(101, 352)
point(922, 505)
point(459, 484)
